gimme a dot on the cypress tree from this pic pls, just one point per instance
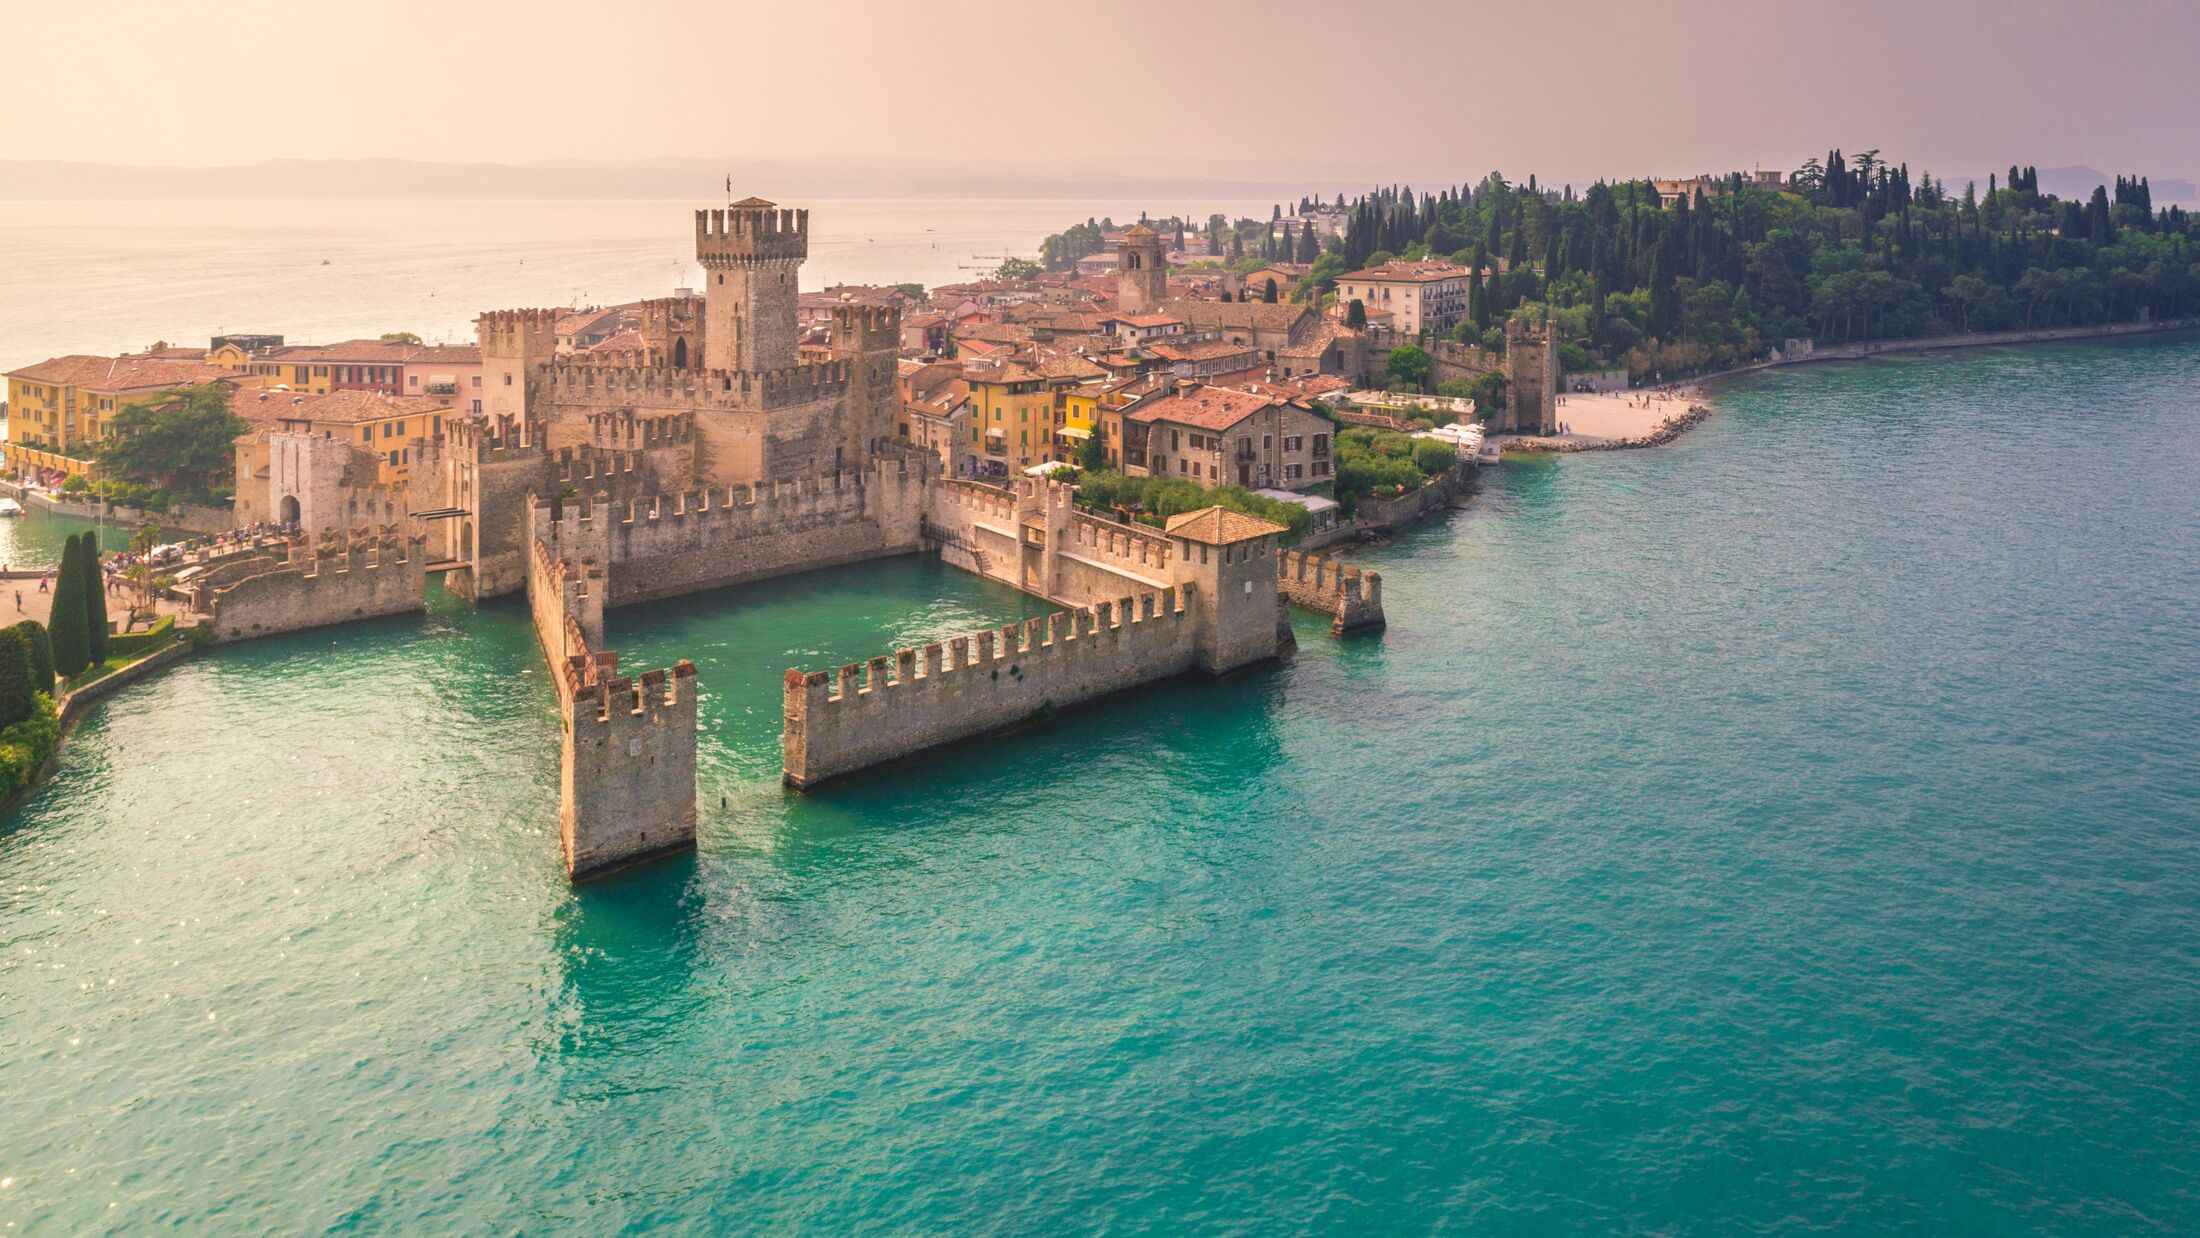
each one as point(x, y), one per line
point(66, 624)
point(15, 677)
point(95, 601)
point(1268, 293)
point(34, 634)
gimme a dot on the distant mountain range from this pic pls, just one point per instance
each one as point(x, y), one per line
point(652, 178)
point(689, 178)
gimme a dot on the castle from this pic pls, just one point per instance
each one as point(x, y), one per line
point(714, 453)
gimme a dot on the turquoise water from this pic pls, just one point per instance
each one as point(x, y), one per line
point(1798, 827)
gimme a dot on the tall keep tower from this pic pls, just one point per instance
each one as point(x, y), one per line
point(1141, 272)
point(752, 254)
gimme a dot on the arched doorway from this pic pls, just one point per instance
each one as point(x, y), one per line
point(289, 514)
point(680, 353)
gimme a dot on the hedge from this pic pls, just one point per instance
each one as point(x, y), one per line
point(131, 644)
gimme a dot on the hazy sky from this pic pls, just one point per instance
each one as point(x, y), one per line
point(1564, 88)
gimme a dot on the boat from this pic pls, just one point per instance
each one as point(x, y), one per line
point(9, 507)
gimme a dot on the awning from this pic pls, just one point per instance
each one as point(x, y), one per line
point(1073, 432)
point(1311, 502)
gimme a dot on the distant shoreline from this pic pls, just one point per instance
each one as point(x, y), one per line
point(1974, 339)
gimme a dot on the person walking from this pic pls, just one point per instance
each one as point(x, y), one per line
point(18, 601)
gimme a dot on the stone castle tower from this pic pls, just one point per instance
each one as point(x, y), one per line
point(1531, 376)
point(1142, 271)
point(751, 254)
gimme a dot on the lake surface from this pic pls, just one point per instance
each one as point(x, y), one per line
point(104, 277)
point(1797, 827)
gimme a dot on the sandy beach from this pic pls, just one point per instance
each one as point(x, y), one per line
point(1591, 421)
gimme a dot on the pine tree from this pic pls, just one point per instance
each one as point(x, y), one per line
point(66, 624)
point(95, 601)
point(34, 633)
point(15, 677)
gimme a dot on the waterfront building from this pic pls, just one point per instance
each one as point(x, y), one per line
point(1217, 435)
point(59, 409)
point(1420, 296)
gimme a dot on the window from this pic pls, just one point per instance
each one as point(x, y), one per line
point(1321, 468)
point(1292, 442)
point(394, 457)
point(508, 378)
point(366, 434)
point(477, 403)
point(1292, 472)
point(477, 382)
point(412, 380)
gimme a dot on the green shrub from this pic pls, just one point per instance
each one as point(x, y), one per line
point(26, 745)
point(1159, 498)
point(1434, 456)
point(41, 649)
point(133, 644)
point(15, 677)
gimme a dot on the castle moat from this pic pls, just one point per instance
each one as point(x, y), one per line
point(1790, 826)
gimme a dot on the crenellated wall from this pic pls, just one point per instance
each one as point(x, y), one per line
point(668, 545)
point(627, 745)
point(360, 577)
point(627, 758)
point(863, 716)
point(1350, 597)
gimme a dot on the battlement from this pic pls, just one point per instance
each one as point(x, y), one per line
point(866, 328)
point(509, 320)
point(570, 382)
point(1352, 597)
point(868, 713)
point(494, 438)
point(1127, 546)
point(627, 430)
point(751, 233)
point(355, 574)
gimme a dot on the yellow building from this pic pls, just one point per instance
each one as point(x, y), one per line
point(1012, 420)
point(59, 410)
point(390, 427)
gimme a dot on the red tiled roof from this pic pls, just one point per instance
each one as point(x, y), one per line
point(1407, 273)
point(1208, 408)
point(1219, 526)
point(122, 373)
point(346, 407)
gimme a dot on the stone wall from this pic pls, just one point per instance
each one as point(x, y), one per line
point(1350, 597)
point(627, 758)
point(668, 545)
point(835, 725)
point(627, 745)
point(361, 578)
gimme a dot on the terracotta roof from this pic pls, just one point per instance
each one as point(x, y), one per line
point(1058, 365)
point(1407, 273)
point(1208, 408)
point(345, 407)
point(1006, 372)
point(1139, 230)
point(1252, 315)
point(1200, 350)
point(122, 373)
point(376, 352)
point(1219, 526)
point(1145, 320)
point(754, 202)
